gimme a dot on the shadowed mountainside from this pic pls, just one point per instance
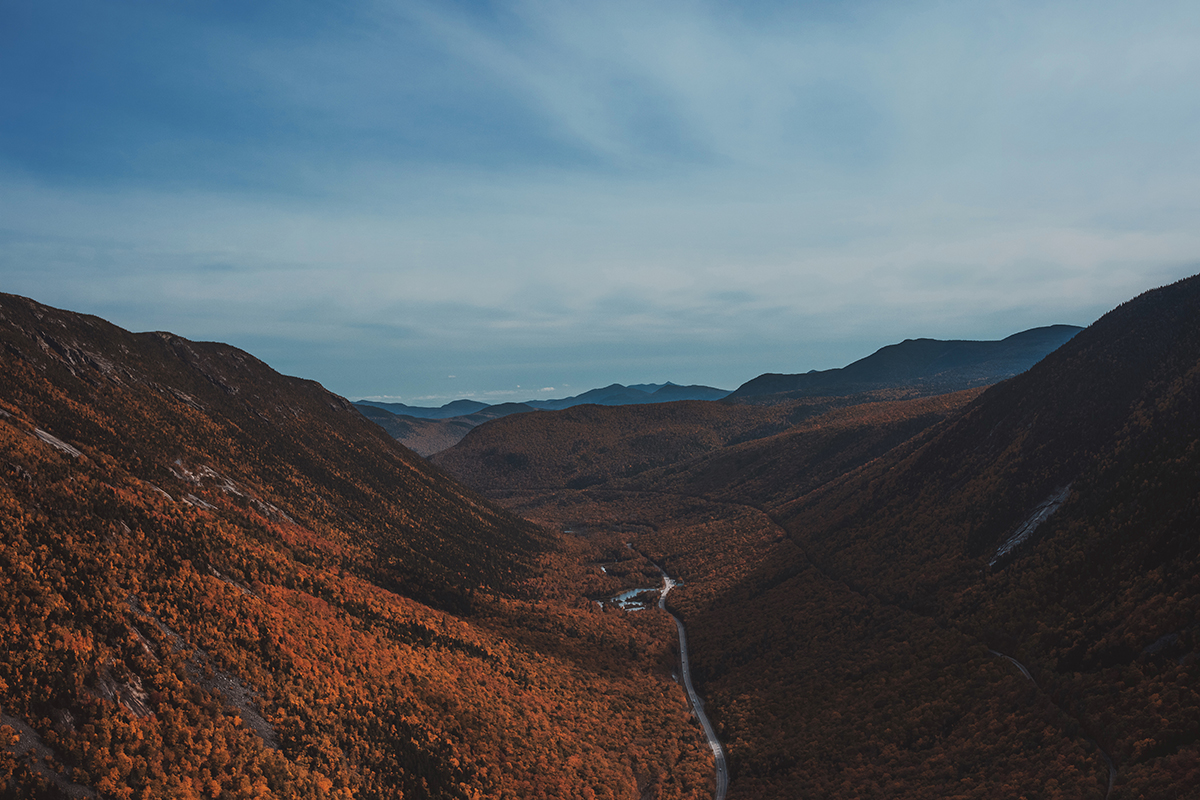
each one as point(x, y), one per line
point(613, 395)
point(768, 471)
point(913, 368)
point(1100, 602)
point(590, 448)
point(593, 445)
point(850, 580)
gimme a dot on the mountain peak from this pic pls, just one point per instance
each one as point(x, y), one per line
point(921, 366)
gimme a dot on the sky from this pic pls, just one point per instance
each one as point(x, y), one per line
point(421, 201)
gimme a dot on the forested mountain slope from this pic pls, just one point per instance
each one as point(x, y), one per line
point(880, 608)
point(599, 446)
point(1126, 384)
point(768, 471)
point(853, 579)
point(457, 408)
point(587, 445)
point(217, 581)
point(591, 446)
point(169, 407)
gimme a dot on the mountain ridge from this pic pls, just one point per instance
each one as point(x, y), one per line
point(218, 581)
point(432, 430)
point(613, 394)
point(912, 368)
point(933, 366)
point(853, 604)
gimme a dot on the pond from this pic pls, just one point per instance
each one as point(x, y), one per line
point(636, 599)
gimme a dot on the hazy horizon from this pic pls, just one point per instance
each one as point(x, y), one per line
point(432, 201)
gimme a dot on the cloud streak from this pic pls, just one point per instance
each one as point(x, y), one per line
point(541, 193)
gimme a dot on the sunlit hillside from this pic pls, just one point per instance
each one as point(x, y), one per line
point(221, 582)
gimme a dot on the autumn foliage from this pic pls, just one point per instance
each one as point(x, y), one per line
point(216, 581)
point(219, 582)
point(852, 617)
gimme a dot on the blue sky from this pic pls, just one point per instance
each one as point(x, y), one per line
point(426, 201)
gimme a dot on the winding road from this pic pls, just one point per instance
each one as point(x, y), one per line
point(694, 699)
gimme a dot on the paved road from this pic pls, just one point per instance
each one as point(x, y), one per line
point(1015, 663)
point(1112, 768)
point(693, 698)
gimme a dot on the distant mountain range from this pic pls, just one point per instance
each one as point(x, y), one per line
point(638, 394)
point(929, 366)
point(428, 430)
point(912, 368)
point(613, 395)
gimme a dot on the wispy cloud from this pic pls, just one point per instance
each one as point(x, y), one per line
point(547, 192)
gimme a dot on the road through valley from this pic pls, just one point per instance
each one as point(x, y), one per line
point(693, 698)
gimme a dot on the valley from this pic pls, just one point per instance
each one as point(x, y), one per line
point(848, 578)
point(599, 401)
point(222, 582)
point(685, 675)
